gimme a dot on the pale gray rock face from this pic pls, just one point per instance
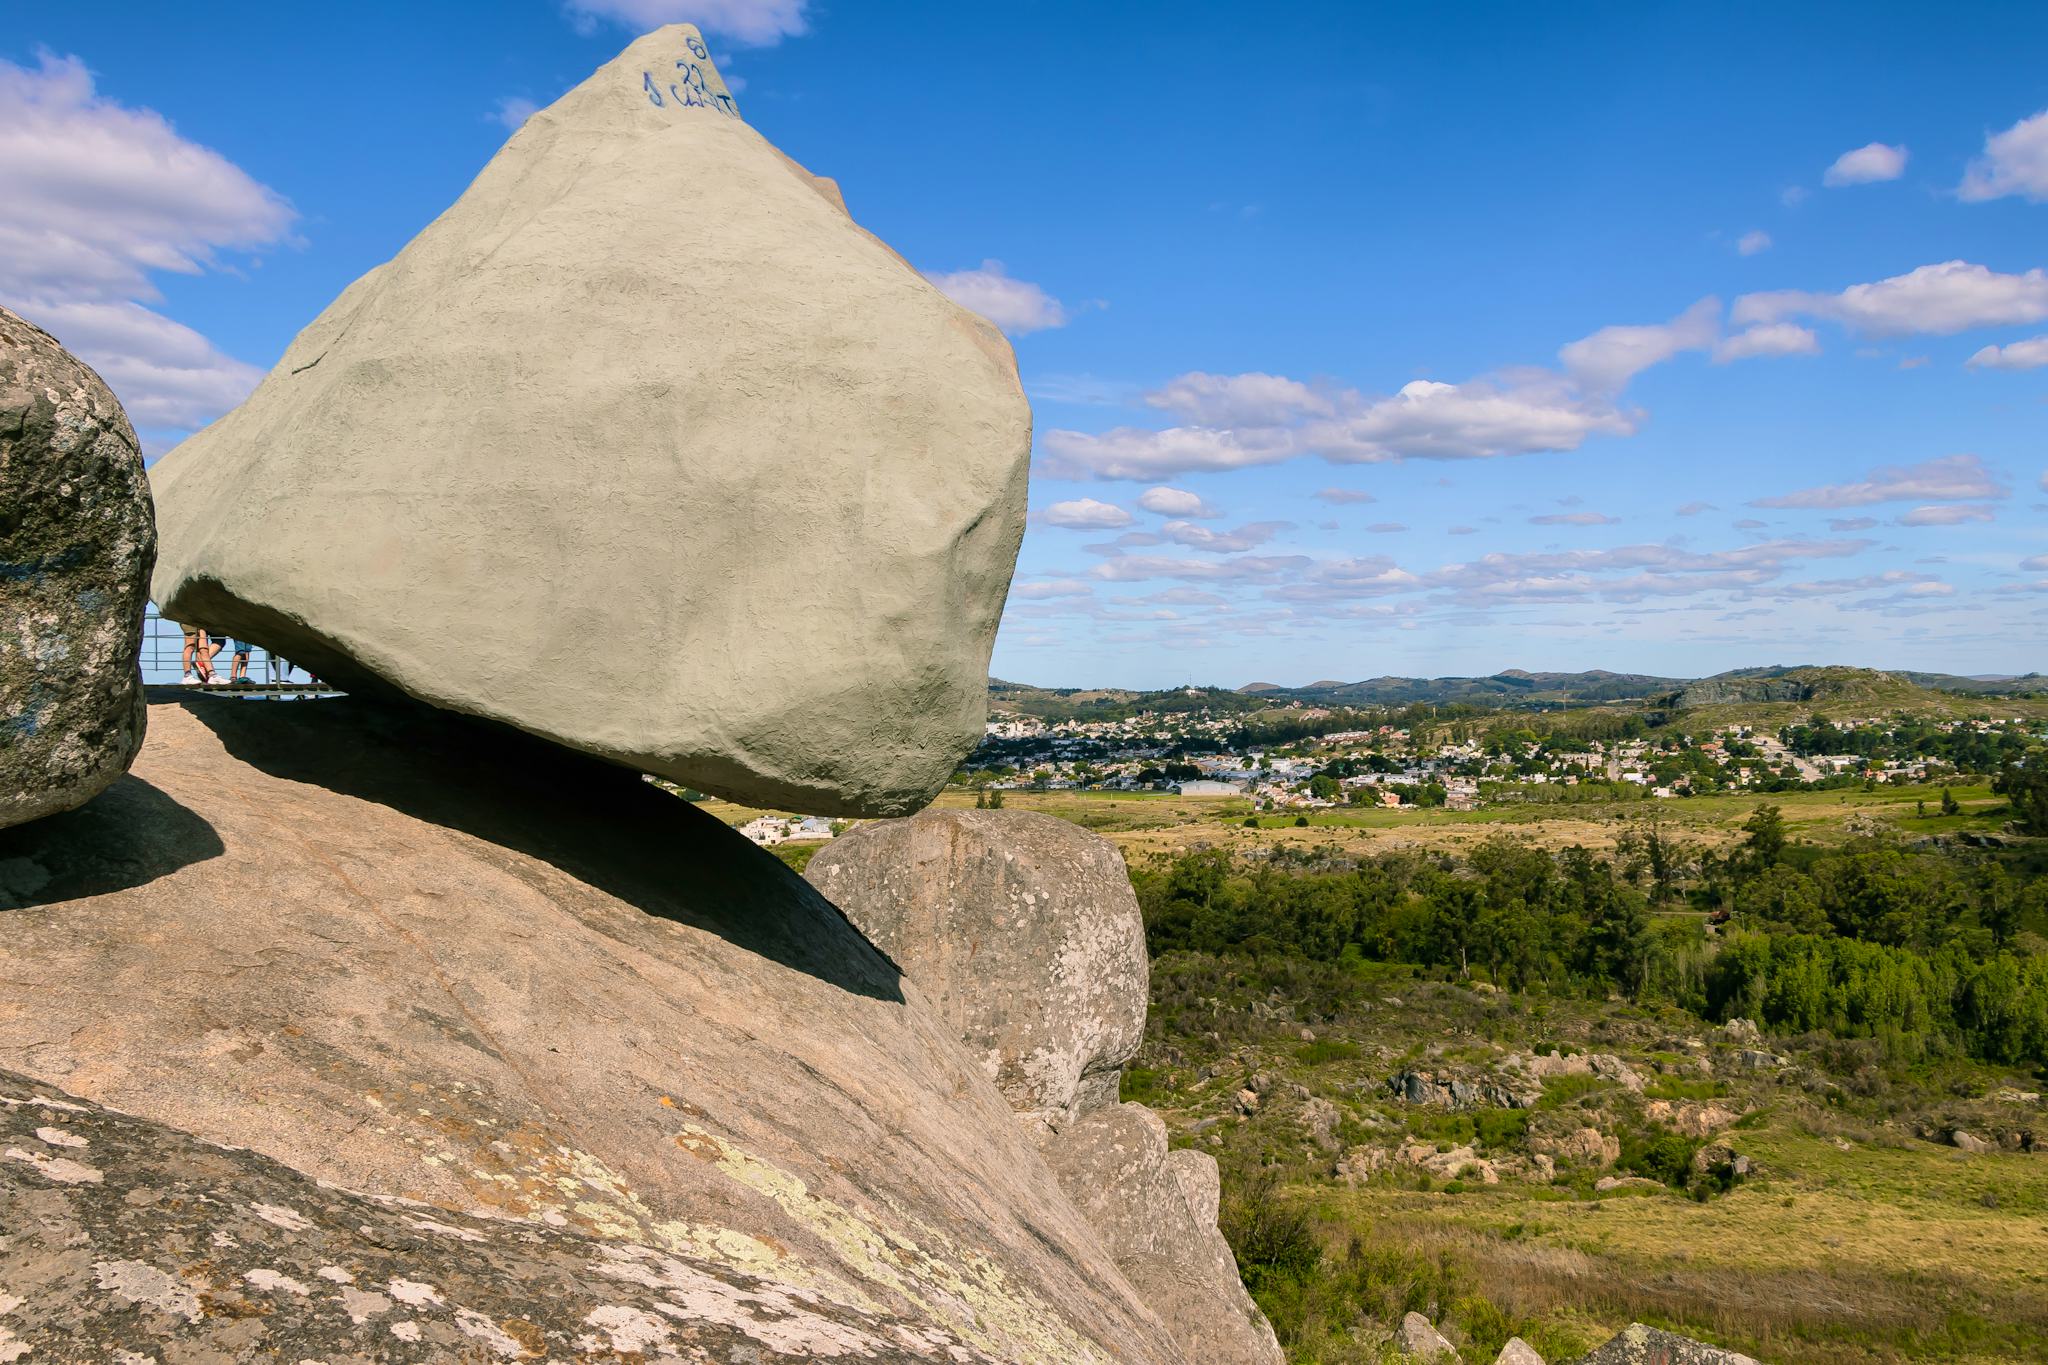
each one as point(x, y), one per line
point(1025, 934)
point(1418, 1339)
point(1640, 1345)
point(644, 447)
point(1021, 929)
point(1115, 1165)
point(77, 539)
point(424, 959)
point(1517, 1352)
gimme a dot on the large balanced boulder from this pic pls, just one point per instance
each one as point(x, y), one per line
point(424, 959)
point(77, 538)
point(644, 447)
point(1021, 928)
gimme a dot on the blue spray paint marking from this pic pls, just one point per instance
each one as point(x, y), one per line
point(689, 90)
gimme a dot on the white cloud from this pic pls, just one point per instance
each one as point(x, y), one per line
point(1136, 453)
point(1605, 361)
point(1344, 496)
point(2014, 162)
point(1386, 528)
point(1693, 509)
point(1052, 589)
point(1951, 515)
point(1085, 514)
point(166, 374)
point(514, 110)
point(1851, 523)
point(1866, 165)
point(1950, 478)
point(1243, 568)
point(1429, 420)
point(1017, 306)
point(1233, 400)
point(98, 197)
point(2035, 563)
point(1750, 243)
point(1767, 339)
point(2030, 354)
point(1574, 519)
point(1946, 298)
point(1247, 537)
point(1176, 502)
point(757, 23)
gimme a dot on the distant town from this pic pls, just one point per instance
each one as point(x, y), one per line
point(1203, 754)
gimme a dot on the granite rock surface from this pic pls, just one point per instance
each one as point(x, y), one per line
point(77, 540)
point(421, 958)
point(1021, 928)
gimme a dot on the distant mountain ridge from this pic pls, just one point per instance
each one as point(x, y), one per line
point(1514, 687)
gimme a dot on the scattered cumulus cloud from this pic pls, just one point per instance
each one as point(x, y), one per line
point(513, 111)
point(1247, 537)
point(1140, 454)
point(1693, 509)
point(99, 197)
point(757, 23)
point(1950, 478)
point(1954, 514)
point(1950, 297)
point(1052, 589)
point(1176, 502)
point(1017, 306)
point(2014, 162)
point(1230, 400)
point(1867, 165)
point(1344, 496)
point(2035, 564)
point(1085, 514)
point(1754, 242)
point(1767, 339)
point(2030, 354)
point(1573, 519)
point(1463, 531)
point(1605, 361)
point(1850, 524)
point(1386, 528)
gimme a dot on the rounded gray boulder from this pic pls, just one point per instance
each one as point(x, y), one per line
point(77, 541)
point(1021, 929)
point(644, 447)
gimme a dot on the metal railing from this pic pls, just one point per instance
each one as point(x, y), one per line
point(268, 675)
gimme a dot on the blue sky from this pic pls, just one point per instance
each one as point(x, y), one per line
point(1360, 340)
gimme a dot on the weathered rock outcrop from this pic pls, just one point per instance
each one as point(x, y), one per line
point(1022, 929)
point(1640, 1345)
point(77, 539)
point(1025, 933)
point(125, 1237)
point(1115, 1164)
point(425, 959)
point(644, 406)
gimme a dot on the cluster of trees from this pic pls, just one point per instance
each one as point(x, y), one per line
point(1907, 737)
point(1868, 940)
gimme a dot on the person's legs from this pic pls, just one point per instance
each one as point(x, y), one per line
point(241, 673)
point(186, 661)
point(202, 658)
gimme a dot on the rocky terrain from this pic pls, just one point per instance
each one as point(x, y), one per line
point(77, 539)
